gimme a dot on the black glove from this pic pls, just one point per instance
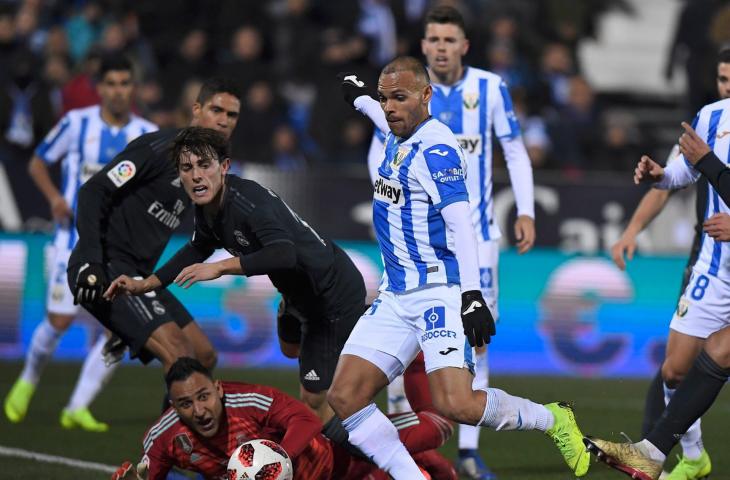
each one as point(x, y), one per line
point(90, 284)
point(352, 87)
point(476, 318)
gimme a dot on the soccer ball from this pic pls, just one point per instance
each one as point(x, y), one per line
point(260, 460)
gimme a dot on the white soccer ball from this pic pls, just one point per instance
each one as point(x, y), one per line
point(260, 460)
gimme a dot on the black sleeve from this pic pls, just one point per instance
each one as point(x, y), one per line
point(200, 247)
point(717, 174)
point(276, 256)
point(136, 163)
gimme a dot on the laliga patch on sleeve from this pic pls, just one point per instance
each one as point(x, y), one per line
point(122, 172)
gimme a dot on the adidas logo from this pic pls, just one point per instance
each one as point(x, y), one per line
point(311, 376)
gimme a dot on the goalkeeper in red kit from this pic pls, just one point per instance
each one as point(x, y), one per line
point(209, 419)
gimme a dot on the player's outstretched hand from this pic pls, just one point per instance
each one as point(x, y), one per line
point(718, 227)
point(125, 284)
point(476, 318)
point(647, 170)
point(626, 245)
point(691, 145)
point(524, 233)
point(90, 283)
point(128, 472)
point(352, 87)
point(198, 272)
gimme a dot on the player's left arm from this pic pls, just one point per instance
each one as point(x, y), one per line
point(443, 178)
point(507, 129)
point(299, 424)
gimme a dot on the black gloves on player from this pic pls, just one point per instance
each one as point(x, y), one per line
point(476, 318)
point(352, 87)
point(90, 284)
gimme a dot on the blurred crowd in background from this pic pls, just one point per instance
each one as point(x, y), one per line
point(286, 53)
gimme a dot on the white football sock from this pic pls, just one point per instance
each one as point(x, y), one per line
point(469, 434)
point(376, 437)
point(397, 401)
point(691, 441)
point(507, 412)
point(42, 345)
point(94, 375)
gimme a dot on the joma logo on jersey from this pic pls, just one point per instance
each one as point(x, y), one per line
point(389, 192)
point(470, 144)
point(471, 101)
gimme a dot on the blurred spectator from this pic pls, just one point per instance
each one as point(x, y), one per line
point(355, 134)
point(84, 29)
point(191, 61)
point(557, 67)
point(377, 24)
point(56, 42)
point(26, 113)
point(692, 47)
point(261, 113)
point(534, 130)
point(621, 147)
point(244, 61)
point(574, 128)
point(7, 36)
point(286, 152)
point(80, 91)
point(297, 41)
point(184, 113)
point(56, 73)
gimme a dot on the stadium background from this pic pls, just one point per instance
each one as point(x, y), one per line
point(595, 83)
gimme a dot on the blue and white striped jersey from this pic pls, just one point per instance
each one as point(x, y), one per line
point(417, 177)
point(85, 143)
point(475, 108)
point(712, 124)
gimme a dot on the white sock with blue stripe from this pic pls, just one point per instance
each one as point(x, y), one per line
point(375, 436)
point(94, 375)
point(42, 345)
point(507, 412)
point(469, 434)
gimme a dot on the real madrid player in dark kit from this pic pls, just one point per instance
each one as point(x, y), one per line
point(126, 215)
point(323, 292)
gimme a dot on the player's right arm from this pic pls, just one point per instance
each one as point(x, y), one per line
point(198, 249)
point(651, 204)
point(299, 424)
point(355, 93)
point(54, 146)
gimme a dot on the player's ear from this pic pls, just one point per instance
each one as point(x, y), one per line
point(218, 388)
point(465, 48)
point(427, 94)
point(225, 165)
point(197, 107)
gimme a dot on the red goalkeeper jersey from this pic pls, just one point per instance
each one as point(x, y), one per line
point(251, 412)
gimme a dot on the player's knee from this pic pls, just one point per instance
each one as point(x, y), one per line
point(718, 347)
point(673, 373)
point(60, 322)
point(290, 350)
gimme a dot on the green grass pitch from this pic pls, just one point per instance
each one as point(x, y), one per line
point(133, 397)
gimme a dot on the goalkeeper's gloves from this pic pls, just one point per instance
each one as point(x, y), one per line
point(128, 472)
point(90, 283)
point(476, 318)
point(352, 87)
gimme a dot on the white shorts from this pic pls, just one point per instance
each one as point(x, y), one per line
point(397, 326)
point(59, 299)
point(704, 307)
point(489, 274)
